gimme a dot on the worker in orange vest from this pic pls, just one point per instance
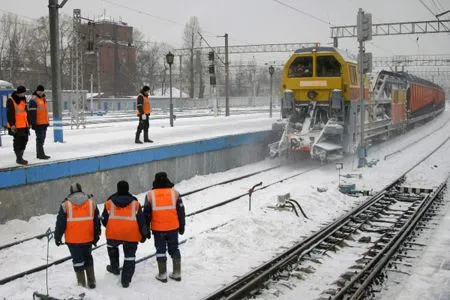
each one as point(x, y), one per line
point(164, 211)
point(38, 111)
point(17, 117)
point(125, 225)
point(143, 111)
point(78, 220)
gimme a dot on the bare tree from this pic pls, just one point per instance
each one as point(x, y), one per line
point(191, 40)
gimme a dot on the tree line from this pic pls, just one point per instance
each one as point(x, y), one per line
point(25, 60)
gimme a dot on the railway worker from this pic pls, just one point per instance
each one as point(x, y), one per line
point(125, 225)
point(164, 211)
point(18, 126)
point(143, 112)
point(38, 116)
point(78, 220)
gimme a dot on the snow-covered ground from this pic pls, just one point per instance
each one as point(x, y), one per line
point(100, 139)
point(211, 258)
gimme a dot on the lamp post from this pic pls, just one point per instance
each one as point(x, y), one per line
point(169, 59)
point(271, 70)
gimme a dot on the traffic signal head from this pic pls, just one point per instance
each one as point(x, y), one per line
point(211, 55)
point(364, 26)
point(211, 69)
point(212, 80)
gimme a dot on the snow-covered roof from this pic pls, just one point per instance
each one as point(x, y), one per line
point(6, 85)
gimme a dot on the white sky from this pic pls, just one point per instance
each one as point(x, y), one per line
point(259, 21)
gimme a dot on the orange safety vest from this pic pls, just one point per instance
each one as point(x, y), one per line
point(164, 209)
point(122, 223)
point(80, 222)
point(41, 111)
point(20, 112)
point(145, 105)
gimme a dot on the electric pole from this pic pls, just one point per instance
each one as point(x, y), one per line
point(53, 7)
point(227, 79)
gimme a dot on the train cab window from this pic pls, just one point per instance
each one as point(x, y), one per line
point(328, 66)
point(353, 75)
point(301, 67)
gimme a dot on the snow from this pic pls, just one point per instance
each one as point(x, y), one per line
point(107, 138)
point(245, 239)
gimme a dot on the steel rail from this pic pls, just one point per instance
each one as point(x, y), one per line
point(39, 236)
point(384, 256)
point(251, 280)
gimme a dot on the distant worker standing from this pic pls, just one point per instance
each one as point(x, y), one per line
point(18, 127)
point(125, 225)
point(143, 112)
point(78, 220)
point(38, 112)
point(164, 211)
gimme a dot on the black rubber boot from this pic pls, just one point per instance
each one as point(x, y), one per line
point(146, 139)
point(113, 253)
point(137, 140)
point(81, 279)
point(20, 159)
point(162, 271)
point(90, 275)
point(176, 274)
point(40, 152)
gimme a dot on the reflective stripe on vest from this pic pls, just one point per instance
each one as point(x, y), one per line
point(80, 225)
point(41, 111)
point(164, 209)
point(20, 113)
point(112, 215)
point(122, 226)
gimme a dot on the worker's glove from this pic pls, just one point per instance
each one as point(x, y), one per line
point(149, 234)
point(58, 242)
point(144, 117)
point(96, 241)
point(13, 129)
point(181, 230)
point(143, 239)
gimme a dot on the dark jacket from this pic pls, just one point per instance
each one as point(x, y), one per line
point(180, 210)
point(122, 200)
point(77, 198)
point(11, 113)
point(32, 106)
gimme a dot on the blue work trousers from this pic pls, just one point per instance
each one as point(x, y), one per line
point(81, 256)
point(166, 240)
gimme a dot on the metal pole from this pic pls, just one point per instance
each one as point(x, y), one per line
point(227, 75)
point(271, 92)
point(181, 81)
point(171, 105)
point(92, 94)
point(362, 148)
point(56, 76)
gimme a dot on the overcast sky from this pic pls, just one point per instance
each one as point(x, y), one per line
point(259, 21)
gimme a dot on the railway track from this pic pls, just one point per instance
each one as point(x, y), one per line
point(394, 206)
point(202, 210)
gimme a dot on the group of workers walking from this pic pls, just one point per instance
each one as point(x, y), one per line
point(21, 117)
point(127, 224)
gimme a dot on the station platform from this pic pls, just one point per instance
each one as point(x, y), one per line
point(101, 155)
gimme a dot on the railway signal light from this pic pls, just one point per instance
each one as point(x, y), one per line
point(366, 62)
point(211, 55)
point(212, 80)
point(211, 69)
point(364, 26)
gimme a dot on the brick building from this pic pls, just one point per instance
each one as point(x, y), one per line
point(110, 57)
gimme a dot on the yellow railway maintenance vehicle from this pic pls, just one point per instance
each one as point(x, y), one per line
point(320, 101)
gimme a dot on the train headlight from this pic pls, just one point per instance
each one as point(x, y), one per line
point(312, 94)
